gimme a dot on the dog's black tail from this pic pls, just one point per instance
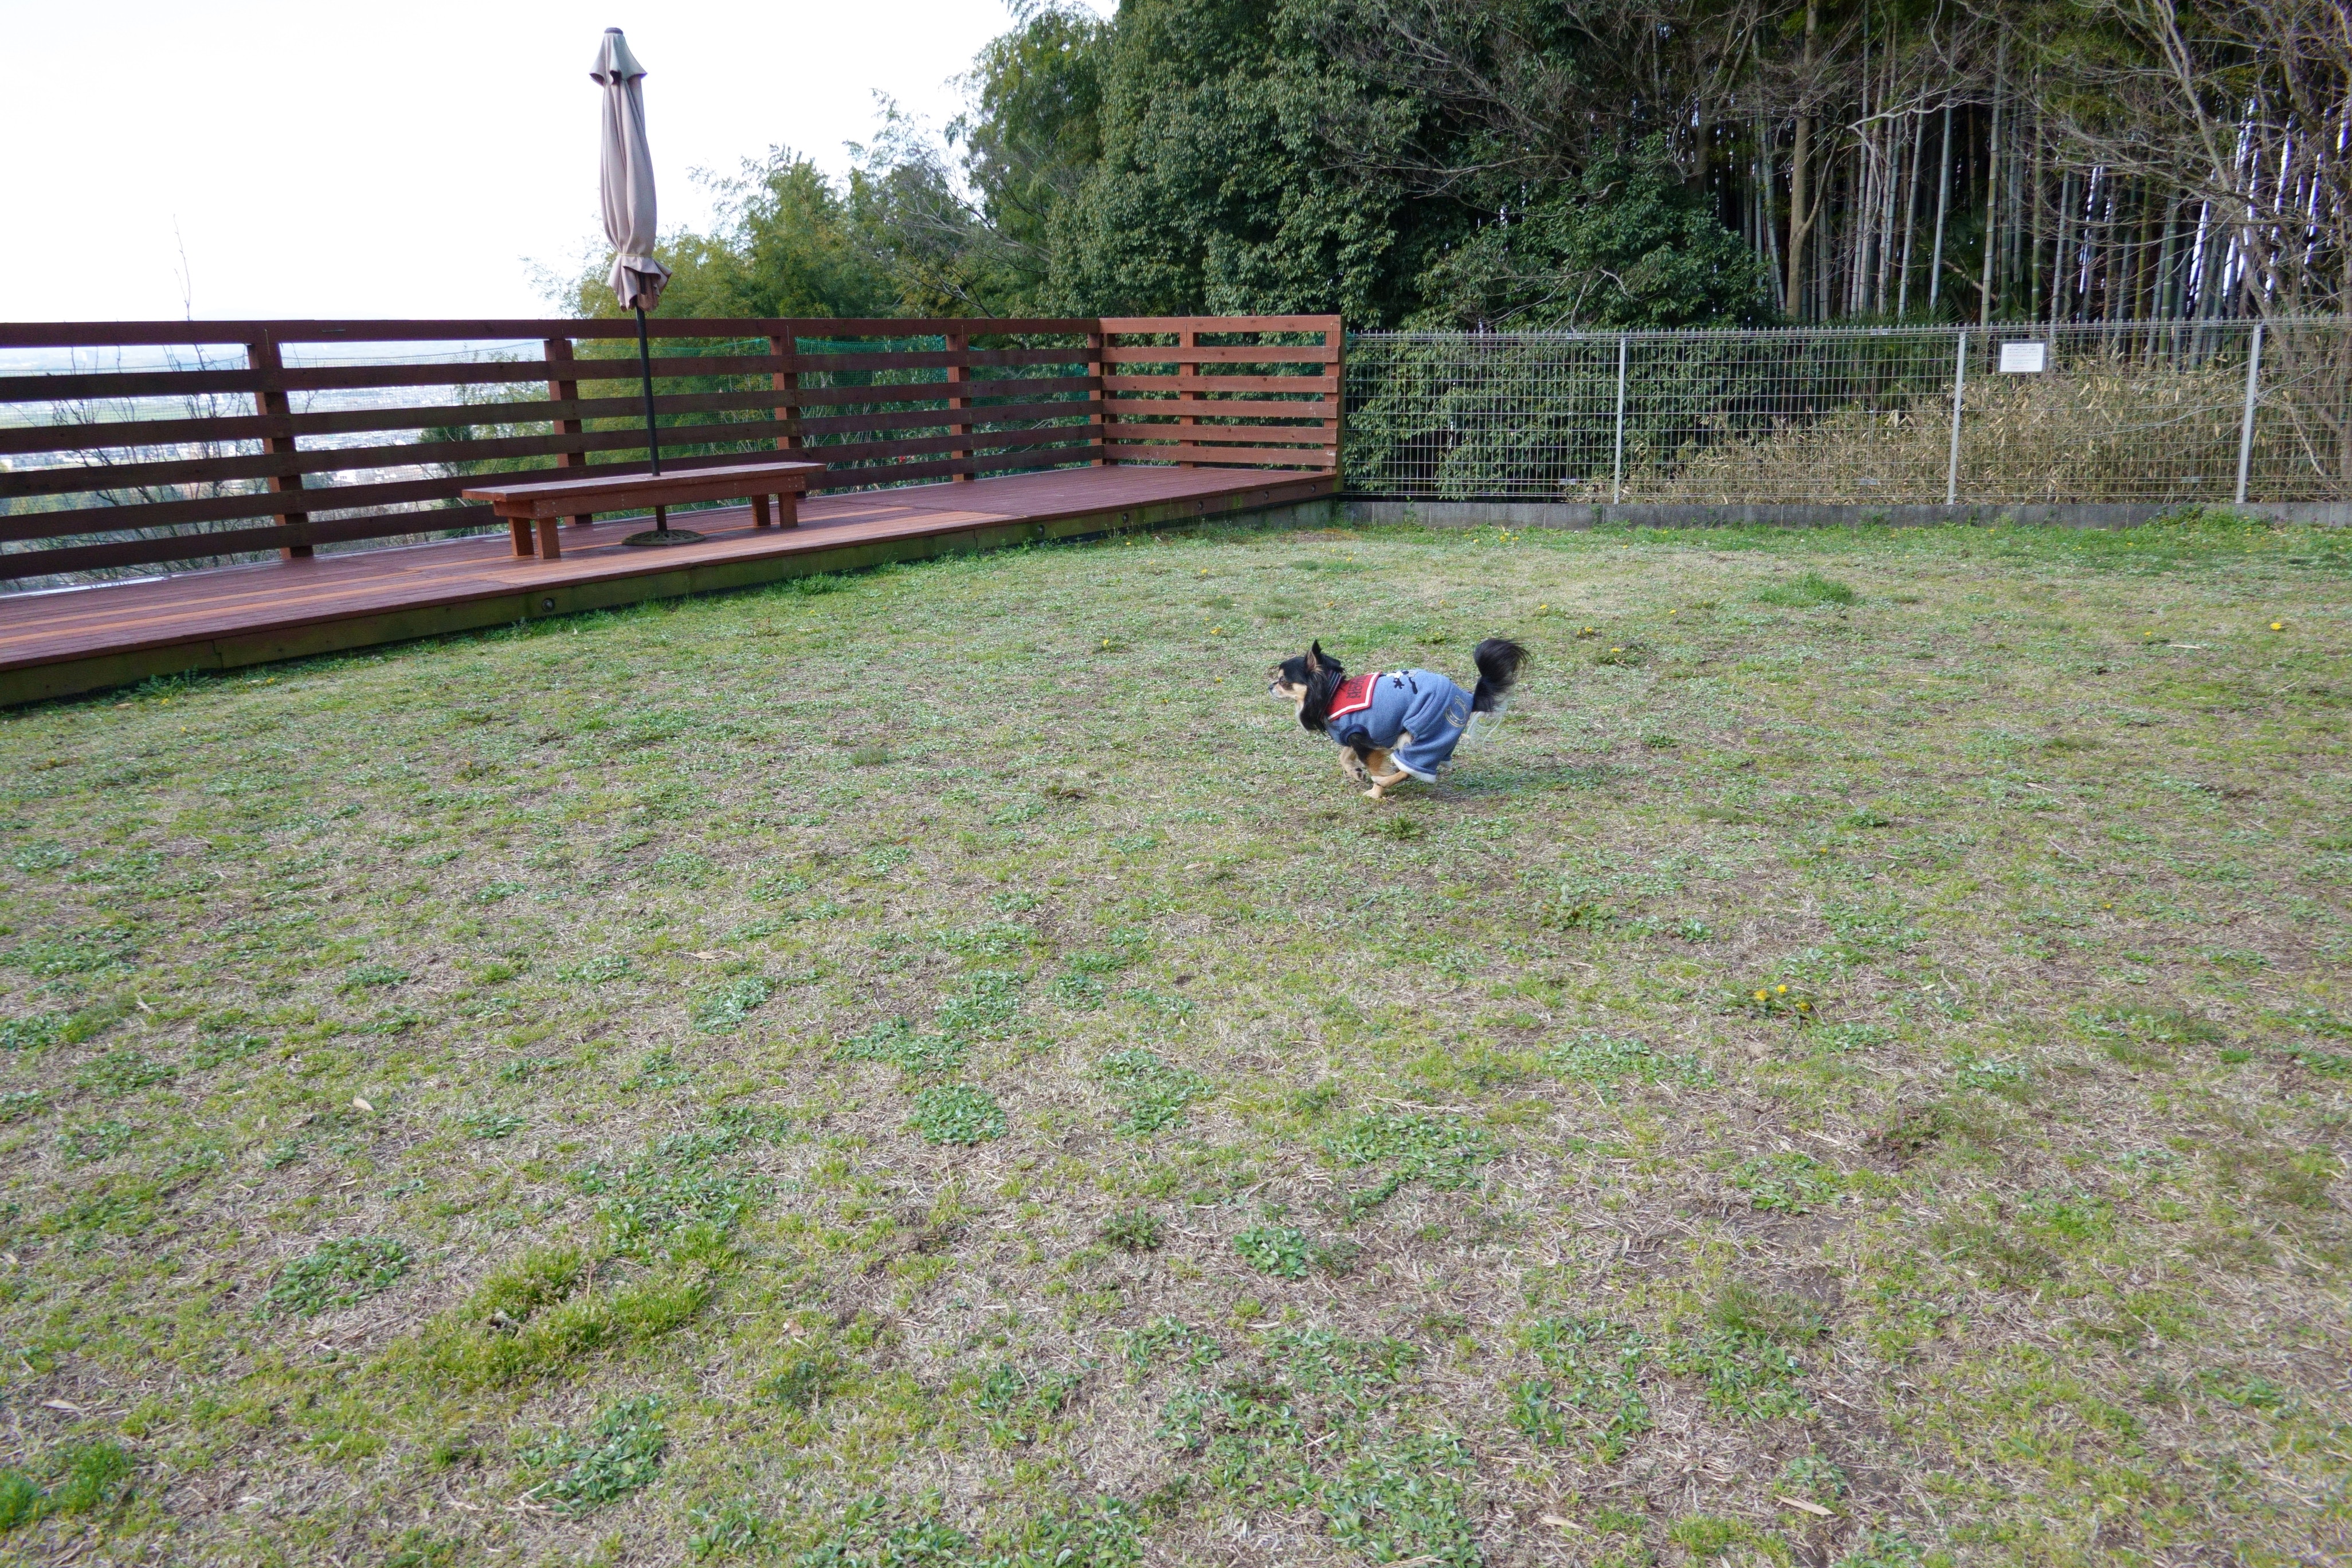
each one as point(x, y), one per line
point(1498, 661)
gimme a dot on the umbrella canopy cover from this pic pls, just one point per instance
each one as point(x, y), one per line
point(628, 175)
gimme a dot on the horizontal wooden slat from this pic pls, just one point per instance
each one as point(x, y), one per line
point(107, 435)
point(114, 434)
point(118, 385)
point(1268, 434)
point(931, 391)
point(1221, 407)
point(110, 385)
point(901, 473)
point(487, 373)
point(896, 473)
point(924, 418)
point(225, 508)
point(939, 359)
point(156, 335)
point(932, 327)
point(117, 434)
point(1306, 457)
point(982, 440)
point(1120, 324)
point(360, 460)
point(1212, 355)
point(1327, 386)
point(238, 540)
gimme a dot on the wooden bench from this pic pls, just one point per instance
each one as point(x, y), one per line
point(547, 502)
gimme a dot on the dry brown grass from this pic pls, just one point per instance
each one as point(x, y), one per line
point(2108, 436)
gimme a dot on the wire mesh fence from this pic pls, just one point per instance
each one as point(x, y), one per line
point(2171, 413)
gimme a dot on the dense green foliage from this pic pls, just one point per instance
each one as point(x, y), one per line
point(1188, 157)
point(1518, 163)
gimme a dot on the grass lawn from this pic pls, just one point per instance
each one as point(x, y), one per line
point(937, 1069)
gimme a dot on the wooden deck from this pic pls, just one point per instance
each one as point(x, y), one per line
point(65, 643)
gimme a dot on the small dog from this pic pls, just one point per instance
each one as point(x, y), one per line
point(1397, 725)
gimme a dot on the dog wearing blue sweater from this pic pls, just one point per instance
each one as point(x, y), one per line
point(1396, 724)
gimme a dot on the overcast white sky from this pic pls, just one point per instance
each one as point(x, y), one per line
point(340, 159)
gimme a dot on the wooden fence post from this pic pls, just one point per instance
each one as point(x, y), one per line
point(563, 389)
point(959, 345)
point(1335, 338)
point(787, 384)
point(1096, 394)
point(1187, 338)
point(270, 399)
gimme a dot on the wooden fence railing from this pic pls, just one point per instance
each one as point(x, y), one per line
point(189, 441)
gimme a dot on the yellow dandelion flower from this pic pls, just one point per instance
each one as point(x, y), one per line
point(2278, 625)
point(1761, 996)
point(1782, 989)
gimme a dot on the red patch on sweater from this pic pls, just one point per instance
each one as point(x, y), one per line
point(1354, 695)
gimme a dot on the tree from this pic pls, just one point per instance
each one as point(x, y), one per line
point(1629, 244)
point(787, 244)
point(1033, 133)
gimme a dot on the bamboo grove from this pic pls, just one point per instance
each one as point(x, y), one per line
point(2117, 162)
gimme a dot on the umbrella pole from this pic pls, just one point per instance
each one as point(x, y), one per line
point(646, 364)
point(661, 532)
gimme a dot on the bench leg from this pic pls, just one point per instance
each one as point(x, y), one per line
point(788, 511)
point(759, 511)
point(582, 520)
point(522, 530)
point(548, 545)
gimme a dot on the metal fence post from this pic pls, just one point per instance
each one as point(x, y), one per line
point(1617, 480)
point(1959, 385)
point(2246, 424)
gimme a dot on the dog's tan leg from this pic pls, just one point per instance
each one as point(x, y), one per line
point(1386, 774)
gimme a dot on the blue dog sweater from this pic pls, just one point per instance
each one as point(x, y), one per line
point(1378, 708)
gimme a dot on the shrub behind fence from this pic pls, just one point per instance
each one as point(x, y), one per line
point(2144, 413)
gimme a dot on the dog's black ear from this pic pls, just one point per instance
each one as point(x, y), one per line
point(1314, 658)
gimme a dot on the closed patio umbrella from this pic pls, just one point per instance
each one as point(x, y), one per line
point(627, 170)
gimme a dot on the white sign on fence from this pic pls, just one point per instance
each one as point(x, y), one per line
point(2024, 359)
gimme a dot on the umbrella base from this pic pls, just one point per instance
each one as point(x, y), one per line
point(665, 536)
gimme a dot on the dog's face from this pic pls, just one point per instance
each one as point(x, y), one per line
point(1294, 680)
